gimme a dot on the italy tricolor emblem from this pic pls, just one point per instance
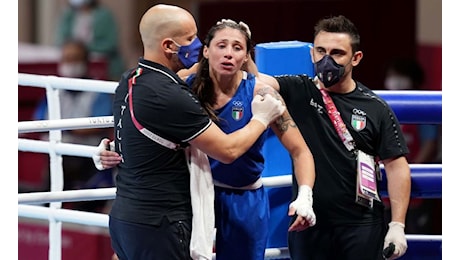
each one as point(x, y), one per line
point(237, 113)
point(358, 122)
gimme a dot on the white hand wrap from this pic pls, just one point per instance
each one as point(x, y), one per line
point(304, 204)
point(97, 153)
point(265, 109)
point(396, 236)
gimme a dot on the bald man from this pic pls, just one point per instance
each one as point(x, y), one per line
point(155, 117)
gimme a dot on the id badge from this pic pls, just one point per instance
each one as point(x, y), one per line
point(366, 181)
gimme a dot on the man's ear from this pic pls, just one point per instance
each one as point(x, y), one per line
point(167, 44)
point(357, 58)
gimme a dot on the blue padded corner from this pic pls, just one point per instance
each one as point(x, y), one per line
point(286, 57)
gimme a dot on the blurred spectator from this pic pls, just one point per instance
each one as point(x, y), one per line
point(423, 142)
point(95, 25)
point(407, 74)
point(79, 172)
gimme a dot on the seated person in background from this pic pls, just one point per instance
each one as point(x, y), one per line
point(79, 172)
point(95, 25)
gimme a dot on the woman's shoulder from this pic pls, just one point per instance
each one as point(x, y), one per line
point(261, 87)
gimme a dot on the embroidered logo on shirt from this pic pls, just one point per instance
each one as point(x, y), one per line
point(358, 119)
point(318, 107)
point(237, 110)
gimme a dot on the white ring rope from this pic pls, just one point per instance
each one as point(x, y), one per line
point(65, 124)
point(109, 193)
point(91, 85)
point(67, 196)
point(102, 220)
point(65, 215)
point(55, 148)
point(39, 146)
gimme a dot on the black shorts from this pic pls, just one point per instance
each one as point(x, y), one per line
point(364, 242)
point(133, 241)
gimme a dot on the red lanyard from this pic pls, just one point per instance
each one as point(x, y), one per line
point(337, 121)
point(142, 129)
point(131, 82)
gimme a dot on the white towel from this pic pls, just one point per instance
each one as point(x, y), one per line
point(202, 193)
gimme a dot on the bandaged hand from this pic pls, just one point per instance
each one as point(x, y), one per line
point(104, 156)
point(303, 205)
point(266, 108)
point(396, 236)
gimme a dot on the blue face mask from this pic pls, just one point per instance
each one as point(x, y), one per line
point(188, 54)
point(328, 71)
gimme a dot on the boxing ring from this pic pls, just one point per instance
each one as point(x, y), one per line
point(415, 107)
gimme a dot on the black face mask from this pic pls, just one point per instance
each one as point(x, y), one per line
point(328, 71)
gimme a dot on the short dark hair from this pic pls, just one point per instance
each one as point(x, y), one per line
point(339, 24)
point(81, 45)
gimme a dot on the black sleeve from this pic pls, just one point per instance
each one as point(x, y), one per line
point(175, 114)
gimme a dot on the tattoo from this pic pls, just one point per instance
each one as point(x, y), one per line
point(284, 122)
point(269, 90)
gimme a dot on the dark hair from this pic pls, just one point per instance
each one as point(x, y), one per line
point(81, 45)
point(202, 85)
point(340, 24)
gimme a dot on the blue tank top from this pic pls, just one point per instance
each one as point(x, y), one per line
point(235, 115)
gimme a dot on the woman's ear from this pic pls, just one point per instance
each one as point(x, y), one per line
point(248, 56)
point(205, 52)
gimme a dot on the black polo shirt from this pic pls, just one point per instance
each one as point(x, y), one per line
point(374, 128)
point(153, 181)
